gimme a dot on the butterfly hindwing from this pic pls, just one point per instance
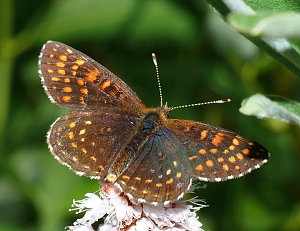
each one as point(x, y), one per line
point(156, 174)
point(89, 142)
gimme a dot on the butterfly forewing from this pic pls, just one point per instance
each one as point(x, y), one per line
point(73, 80)
point(213, 153)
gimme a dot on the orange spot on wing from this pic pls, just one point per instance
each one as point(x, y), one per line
point(72, 125)
point(213, 151)
point(55, 79)
point(203, 135)
point(218, 139)
point(240, 156)
point(66, 98)
point(71, 135)
point(62, 57)
point(199, 167)
point(225, 151)
point(105, 84)
point(60, 64)
point(231, 147)
point(80, 82)
point(192, 158)
point(202, 151)
point(235, 141)
point(79, 62)
point(91, 75)
point(74, 67)
point(67, 89)
point(225, 167)
point(232, 159)
point(81, 100)
point(246, 151)
point(220, 159)
point(61, 71)
point(67, 80)
point(84, 91)
point(170, 181)
point(209, 163)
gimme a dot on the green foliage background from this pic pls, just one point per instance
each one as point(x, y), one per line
point(200, 59)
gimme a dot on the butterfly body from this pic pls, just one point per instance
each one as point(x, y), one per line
point(110, 135)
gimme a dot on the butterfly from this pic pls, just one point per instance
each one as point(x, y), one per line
point(110, 135)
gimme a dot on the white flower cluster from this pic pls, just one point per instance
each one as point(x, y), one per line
point(125, 214)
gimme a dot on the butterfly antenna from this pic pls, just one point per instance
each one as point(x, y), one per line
point(158, 79)
point(204, 103)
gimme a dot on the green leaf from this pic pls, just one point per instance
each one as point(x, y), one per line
point(277, 25)
point(247, 19)
point(275, 107)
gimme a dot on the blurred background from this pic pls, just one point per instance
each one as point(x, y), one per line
point(200, 59)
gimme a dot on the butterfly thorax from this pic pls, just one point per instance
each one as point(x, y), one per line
point(151, 122)
point(154, 119)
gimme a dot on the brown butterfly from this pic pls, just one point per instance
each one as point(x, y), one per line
point(109, 134)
